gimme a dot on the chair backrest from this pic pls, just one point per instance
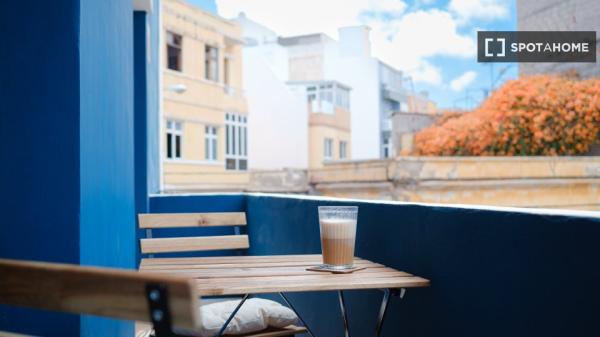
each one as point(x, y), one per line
point(197, 243)
point(96, 291)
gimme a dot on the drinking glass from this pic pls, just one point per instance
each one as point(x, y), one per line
point(338, 235)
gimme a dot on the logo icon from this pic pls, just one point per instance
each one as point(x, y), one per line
point(502, 43)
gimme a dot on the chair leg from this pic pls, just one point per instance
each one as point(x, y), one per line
point(387, 293)
point(343, 311)
point(222, 331)
point(297, 314)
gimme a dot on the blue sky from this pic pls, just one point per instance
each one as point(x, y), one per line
point(433, 41)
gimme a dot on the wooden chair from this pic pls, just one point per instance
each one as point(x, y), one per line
point(192, 244)
point(152, 245)
point(169, 303)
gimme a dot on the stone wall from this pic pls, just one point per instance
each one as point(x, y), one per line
point(404, 126)
point(551, 182)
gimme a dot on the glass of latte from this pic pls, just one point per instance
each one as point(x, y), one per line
point(338, 234)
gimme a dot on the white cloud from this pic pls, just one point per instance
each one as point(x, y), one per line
point(463, 81)
point(389, 6)
point(427, 73)
point(466, 10)
point(297, 17)
point(417, 36)
point(405, 42)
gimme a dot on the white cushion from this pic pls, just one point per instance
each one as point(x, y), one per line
point(255, 314)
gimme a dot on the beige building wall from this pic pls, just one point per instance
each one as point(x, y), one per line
point(333, 126)
point(420, 103)
point(542, 182)
point(204, 102)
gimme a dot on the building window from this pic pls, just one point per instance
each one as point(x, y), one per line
point(174, 138)
point(323, 98)
point(236, 142)
point(226, 65)
point(210, 143)
point(342, 97)
point(343, 147)
point(173, 51)
point(311, 94)
point(328, 148)
point(211, 63)
point(386, 147)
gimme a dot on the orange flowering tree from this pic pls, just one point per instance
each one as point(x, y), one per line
point(536, 115)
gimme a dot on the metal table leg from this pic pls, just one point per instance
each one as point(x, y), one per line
point(387, 293)
point(297, 314)
point(222, 331)
point(344, 315)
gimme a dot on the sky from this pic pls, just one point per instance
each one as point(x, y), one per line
point(432, 41)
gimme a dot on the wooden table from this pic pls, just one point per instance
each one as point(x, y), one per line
point(245, 275)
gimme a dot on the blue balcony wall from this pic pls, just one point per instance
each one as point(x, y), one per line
point(39, 145)
point(107, 215)
point(67, 144)
point(146, 32)
point(493, 272)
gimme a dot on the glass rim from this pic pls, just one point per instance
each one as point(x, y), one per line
point(339, 209)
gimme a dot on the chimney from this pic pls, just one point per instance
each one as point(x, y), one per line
point(355, 41)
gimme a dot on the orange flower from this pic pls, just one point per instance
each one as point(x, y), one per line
point(537, 115)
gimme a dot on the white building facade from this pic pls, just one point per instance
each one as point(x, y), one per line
point(279, 137)
point(376, 88)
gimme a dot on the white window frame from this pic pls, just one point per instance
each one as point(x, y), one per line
point(386, 147)
point(170, 37)
point(325, 97)
point(236, 143)
point(208, 61)
point(211, 148)
point(174, 129)
point(343, 149)
point(327, 148)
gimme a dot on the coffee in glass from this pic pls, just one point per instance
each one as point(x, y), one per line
point(338, 234)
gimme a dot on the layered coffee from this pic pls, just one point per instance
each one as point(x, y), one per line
point(337, 241)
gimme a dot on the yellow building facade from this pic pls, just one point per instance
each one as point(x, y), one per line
point(419, 103)
point(204, 122)
point(329, 132)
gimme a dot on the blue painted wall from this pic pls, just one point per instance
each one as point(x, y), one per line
point(107, 229)
point(146, 107)
point(493, 273)
point(39, 145)
point(153, 100)
point(67, 144)
point(140, 104)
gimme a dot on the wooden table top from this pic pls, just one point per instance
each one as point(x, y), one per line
point(238, 275)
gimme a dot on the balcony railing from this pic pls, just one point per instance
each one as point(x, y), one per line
point(494, 271)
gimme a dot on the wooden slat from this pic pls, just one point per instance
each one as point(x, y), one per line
point(316, 258)
point(191, 244)
point(224, 282)
point(333, 283)
point(12, 334)
point(243, 272)
point(170, 220)
point(276, 332)
point(95, 291)
point(192, 267)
